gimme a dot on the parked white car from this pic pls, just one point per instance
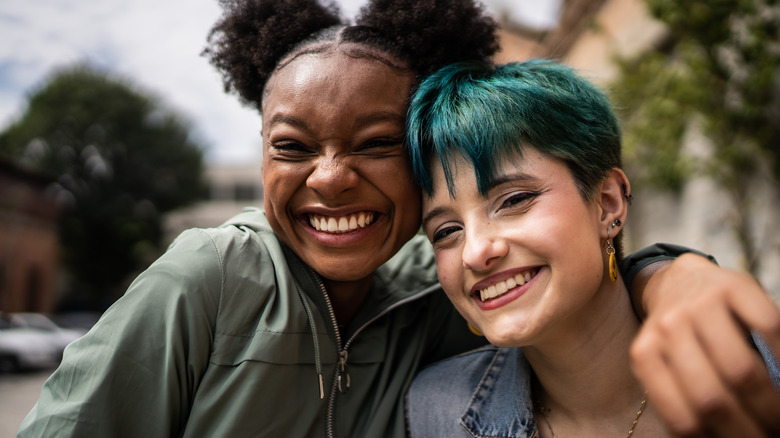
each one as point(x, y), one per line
point(32, 341)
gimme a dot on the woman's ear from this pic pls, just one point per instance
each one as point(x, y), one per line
point(613, 199)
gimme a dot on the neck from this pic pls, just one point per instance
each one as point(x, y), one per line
point(346, 297)
point(583, 368)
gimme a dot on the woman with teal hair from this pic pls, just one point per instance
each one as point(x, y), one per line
point(524, 203)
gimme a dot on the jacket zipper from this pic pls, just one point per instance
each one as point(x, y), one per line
point(342, 380)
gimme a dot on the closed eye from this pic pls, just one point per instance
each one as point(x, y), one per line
point(379, 144)
point(517, 199)
point(290, 146)
point(290, 151)
point(443, 233)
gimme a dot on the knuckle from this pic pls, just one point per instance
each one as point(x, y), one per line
point(670, 323)
point(641, 348)
point(685, 427)
point(744, 375)
point(709, 405)
point(773, 324)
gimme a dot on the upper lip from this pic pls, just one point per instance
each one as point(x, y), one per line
point(335, 212)
point(499, 277)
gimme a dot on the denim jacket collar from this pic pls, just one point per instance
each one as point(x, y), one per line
point(502, 405)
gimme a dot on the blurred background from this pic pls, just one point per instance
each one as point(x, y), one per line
point(116, 134)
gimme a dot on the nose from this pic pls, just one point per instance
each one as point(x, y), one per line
point(332, 176)
point(483, 248)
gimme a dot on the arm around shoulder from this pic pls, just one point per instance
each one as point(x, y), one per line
point(694, 354)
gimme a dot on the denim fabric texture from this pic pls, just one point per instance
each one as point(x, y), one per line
point(487, 393)
point(482, 393)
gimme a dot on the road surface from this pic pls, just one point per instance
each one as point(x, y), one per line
point(18, 394)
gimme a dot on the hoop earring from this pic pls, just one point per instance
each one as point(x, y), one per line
point(613, 268)
point(474, 330)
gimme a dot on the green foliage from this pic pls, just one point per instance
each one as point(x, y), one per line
point(121, 160)
point(720, 63)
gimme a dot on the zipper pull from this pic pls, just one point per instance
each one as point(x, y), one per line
point(343, 375)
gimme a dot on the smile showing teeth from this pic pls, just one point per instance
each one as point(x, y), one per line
point(342, 224)
point(500, 288)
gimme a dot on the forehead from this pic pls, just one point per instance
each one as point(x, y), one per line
point(335, 76)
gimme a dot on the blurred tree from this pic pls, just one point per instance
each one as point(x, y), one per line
point(719, 69)
point(121, 160)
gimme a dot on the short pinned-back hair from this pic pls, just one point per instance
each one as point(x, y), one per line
point(485, 113)
point(254, 37)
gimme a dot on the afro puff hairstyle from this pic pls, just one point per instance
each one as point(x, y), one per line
point(252, 38)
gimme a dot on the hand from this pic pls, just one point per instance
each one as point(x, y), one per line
point(694, 356)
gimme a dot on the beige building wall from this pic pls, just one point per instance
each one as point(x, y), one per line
point(232, 188)
point(29, 241)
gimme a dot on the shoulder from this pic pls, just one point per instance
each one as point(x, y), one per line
point(203, 265)
point(771, 361)
point(243, 243)
point(413, 267)
point(455, 377)
point(442, 392)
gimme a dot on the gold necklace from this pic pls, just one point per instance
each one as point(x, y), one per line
point(543, 410)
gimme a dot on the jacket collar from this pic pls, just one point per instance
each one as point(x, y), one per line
point(502, 405)
point(411, 272)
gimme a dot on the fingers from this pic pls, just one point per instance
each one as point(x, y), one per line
point(738, 365)
point(687, 391)
point(694, 356)
point(696, 362)
point(699, 374)
point(663, 392)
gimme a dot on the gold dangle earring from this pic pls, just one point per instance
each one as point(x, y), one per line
point(474, 329)
point(613, 268)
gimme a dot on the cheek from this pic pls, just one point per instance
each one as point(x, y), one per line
point(448, 268)
point(393, 178)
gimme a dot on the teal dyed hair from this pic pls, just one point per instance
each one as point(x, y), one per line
point(486, 113)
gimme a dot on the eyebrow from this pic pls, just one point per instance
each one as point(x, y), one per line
point(379, 116)
point(279, 119)
point(431, 215)
point(512, 177)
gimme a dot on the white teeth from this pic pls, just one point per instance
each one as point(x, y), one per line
point(343, 224)
point(502, 287)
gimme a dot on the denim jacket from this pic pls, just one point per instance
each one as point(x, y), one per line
point(482, 393)
point(487, 393)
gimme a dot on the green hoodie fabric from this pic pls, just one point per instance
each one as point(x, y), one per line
point(229, 334)
point(223, 336)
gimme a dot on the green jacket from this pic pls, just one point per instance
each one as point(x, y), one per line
point(229, 334)
point(224, 335)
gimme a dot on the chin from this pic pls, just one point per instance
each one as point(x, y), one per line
point(354, 272)
point(506, 338)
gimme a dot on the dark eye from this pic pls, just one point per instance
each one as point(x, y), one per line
point(519, 199)
point(443, 233)
point(384, 142)
point(290, 146)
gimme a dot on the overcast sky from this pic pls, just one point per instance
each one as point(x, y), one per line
point(156, 45)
